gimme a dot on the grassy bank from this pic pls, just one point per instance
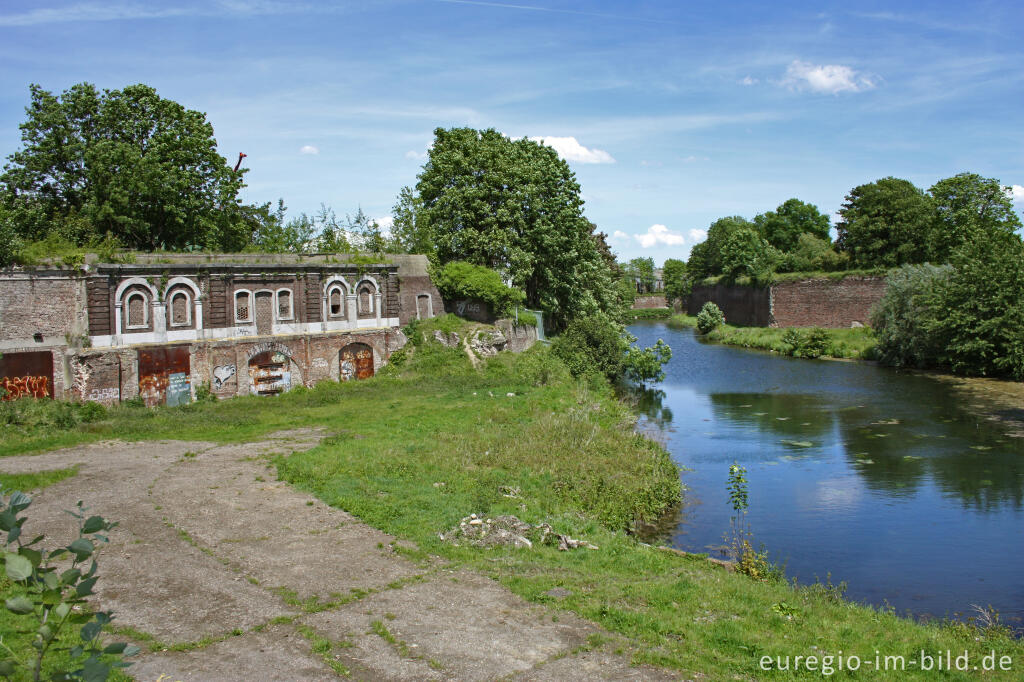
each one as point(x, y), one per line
point(649, 313)
point(856, 343)
point(424, 444)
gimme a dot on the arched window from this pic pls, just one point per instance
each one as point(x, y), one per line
point(336, 301)
point(180, 308)
point(365, 297)
point(137, 308)
point(243, 306)
point(284, 304)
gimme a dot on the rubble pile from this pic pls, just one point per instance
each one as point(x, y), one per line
point(508, 531)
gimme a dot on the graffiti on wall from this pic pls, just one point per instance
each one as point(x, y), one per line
point(164, 376)
point(269, 372)
point(25, 387)
point(26, 375)
point(103, 395)
point(221, 374)
point(356, 362)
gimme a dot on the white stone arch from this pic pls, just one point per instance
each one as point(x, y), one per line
point(135, 281)
point(174, 281)
point(145, 311)
point(330, 285)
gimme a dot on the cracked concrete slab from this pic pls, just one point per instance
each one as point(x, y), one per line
point(464, 624)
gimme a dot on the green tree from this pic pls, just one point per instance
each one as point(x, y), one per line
point(783, 226)
point(641, 273)
point(125, 162)
point(410, 232)
point(886, 223)
point(745, 254)
point(645, 364)
point(968, 206)
point(905, 319)
point(706, 257)
point(10, 243)
point(514, 206)
point(677, 282)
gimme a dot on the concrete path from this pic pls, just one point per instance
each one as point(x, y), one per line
point(230, 574)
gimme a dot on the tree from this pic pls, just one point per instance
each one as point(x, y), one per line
point(886, 223)
point(410, 232)
point(515, 206)
point(706, 257)
point(745, 254)
point(641, 273)
point(783, 226)
point(677, 284)
point(125, 162)
point(968, 206)
point(904, 320)
point(645, 364)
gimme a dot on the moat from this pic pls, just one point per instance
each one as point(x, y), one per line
point(868, 475)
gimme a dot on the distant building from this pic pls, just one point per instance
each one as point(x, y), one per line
point(238, 323)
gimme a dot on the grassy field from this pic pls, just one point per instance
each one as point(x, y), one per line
point(856, 343)
point(426, 443)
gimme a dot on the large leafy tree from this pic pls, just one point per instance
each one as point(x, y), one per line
point(125, 162)
point(706, 257)
point(514, 206)
point(886, 223)
point(783, 226)
point(968, 207)
point(677, 283)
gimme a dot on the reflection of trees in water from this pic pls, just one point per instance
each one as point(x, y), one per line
point(894, 459)
point(648, 402)
point(791, 415)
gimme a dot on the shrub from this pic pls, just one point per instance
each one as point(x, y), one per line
point(709, 317)
point(593, 344)
point(459, 280)
point(541, 367)
point(644, 364)
point(807, 343)
point(905, 318)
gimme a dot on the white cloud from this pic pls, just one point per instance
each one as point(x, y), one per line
point(619, 234)
point(1017, 193)
point(659, 234)
point(309, 149)
point(826, 78)
point(415, 156)
point(747, 80)
point(570, 149)
point(693, 159)
point(385, 223)
point(698, 235)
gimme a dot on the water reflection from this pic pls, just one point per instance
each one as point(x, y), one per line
point(878, 477)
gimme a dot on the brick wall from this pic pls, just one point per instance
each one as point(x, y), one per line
point(642, 302)
point(804, 303)
point(409, 289)
point(825, 303)
point(742, 305)
point(51, 306)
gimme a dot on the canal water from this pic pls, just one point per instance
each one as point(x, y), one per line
point(873, 477)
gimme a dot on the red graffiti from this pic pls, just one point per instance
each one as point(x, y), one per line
point(25, 387)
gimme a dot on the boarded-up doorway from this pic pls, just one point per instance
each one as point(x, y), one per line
point(164, 376)
point(264, 313)
point(424, 307)
point(269, 373)
point(356, 361)
point(26, 375)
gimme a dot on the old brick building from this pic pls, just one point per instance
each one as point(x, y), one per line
point(240, 324)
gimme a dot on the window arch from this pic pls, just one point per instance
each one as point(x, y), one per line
point(243, 306)
point(364, 298)
point(336, 300)
point(179, 308)
point(285, 305)
point(136, 306)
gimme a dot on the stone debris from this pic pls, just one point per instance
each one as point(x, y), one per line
point(487, 342)
point(508, 531)
point(450, 340)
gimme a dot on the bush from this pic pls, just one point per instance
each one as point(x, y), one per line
point(593, 344)
point(709, 318)
point(541, 367)
point(644, 364)
point(807, 343)
point(905, 318)
point(460, 280)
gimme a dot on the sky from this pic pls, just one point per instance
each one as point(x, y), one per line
point(671, 114)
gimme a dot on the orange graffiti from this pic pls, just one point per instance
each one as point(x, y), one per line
point(25, 387)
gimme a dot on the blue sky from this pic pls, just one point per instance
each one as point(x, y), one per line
point(671, 114)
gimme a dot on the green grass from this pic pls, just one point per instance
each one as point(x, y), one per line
point(35, 481)
point(856, 343)
point(780, 277)
point(649, 313)
point(419, 447)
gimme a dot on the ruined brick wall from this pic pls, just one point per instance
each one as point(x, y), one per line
point(412, 302)
point(53, 306)
point(824, 302)
point(643, 302)
point(743, 305)
point(519, 336)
